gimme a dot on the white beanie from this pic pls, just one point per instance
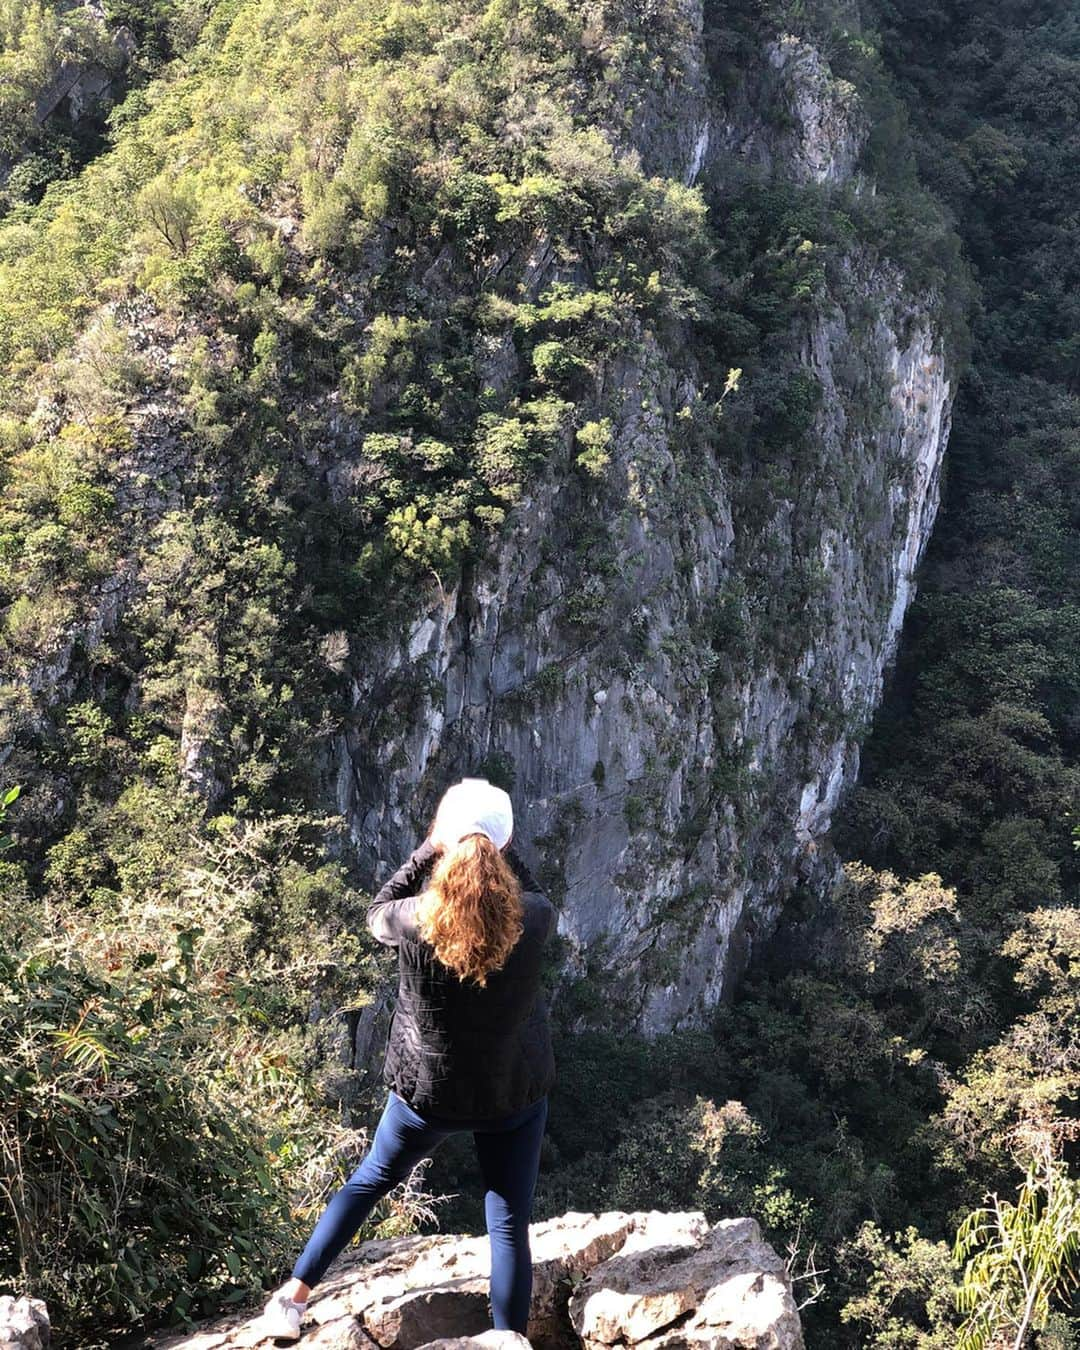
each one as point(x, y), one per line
point(471, 806)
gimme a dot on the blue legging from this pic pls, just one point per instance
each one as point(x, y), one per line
point(508, 1150)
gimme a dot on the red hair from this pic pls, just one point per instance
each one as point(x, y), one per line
point(471, 911)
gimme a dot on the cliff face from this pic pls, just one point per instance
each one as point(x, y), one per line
point(672, 674)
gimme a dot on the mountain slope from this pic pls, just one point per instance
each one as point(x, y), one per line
point(382, 336)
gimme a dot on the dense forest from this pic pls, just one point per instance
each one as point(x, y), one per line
point(182, 945)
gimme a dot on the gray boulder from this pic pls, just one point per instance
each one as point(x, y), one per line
point(24, 1324)
point(676, 1282)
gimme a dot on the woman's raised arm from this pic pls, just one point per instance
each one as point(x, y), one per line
point(384, 912)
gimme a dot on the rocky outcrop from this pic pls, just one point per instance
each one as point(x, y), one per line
point(86, 82)
point(24, 1324)
point(823, 128)
point(87, 76)
point(598, 1280)
point(487, 1340)
point(673, 678)
point(697, 1285)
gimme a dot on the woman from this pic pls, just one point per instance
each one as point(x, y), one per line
point(469, 1047)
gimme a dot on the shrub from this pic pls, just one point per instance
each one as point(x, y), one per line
point(83, 504)
point(556, 362)
point(127, 1177)
point(596, 444)
point(428, 543)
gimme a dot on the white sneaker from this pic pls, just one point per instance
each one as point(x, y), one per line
point(280, 1318)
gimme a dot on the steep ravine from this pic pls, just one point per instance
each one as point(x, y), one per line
point(675, 746)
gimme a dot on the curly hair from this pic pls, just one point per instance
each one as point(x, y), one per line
point(471, 910)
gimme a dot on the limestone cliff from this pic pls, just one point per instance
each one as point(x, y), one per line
point(675, 757)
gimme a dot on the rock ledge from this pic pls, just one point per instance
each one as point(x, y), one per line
point(599, 1280)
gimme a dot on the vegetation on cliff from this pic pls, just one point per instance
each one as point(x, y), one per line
point(269, 364)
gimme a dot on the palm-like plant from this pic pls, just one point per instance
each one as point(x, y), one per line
point(1019, 1257)
point(6, 799)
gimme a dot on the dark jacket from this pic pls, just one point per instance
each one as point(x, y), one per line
point(456, 1050)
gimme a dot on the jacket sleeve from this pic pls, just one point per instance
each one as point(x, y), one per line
point(385, 913)
point(528, 881)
